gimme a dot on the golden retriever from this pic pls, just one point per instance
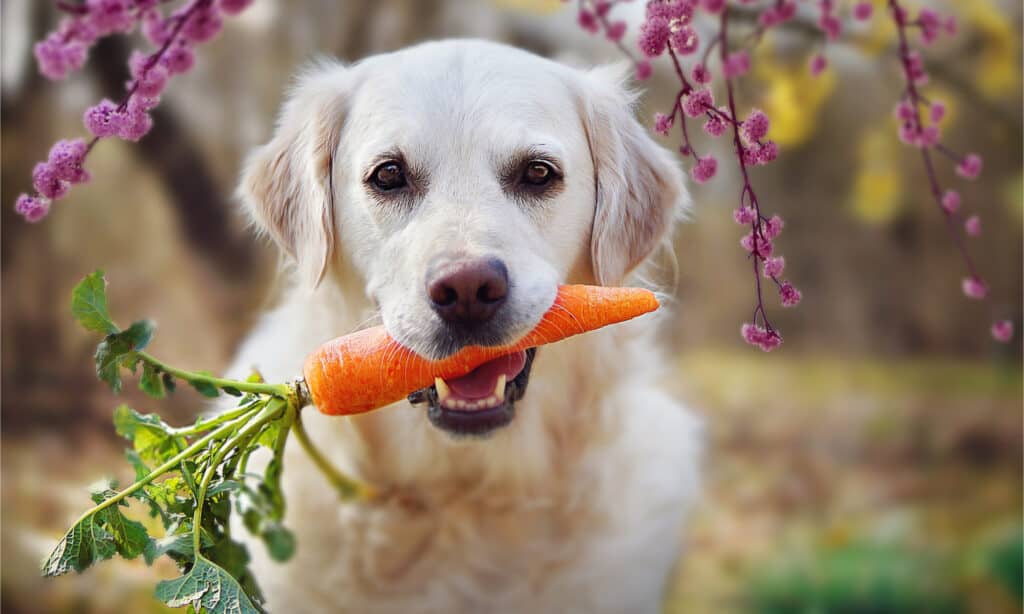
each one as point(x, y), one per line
point(446, 190)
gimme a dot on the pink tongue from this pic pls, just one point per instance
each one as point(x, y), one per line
point(480, 382)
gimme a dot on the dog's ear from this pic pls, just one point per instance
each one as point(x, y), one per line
point(640, 189)
point(286, 184)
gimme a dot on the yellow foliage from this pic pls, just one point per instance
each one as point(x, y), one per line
point(880, 34)
point(793, 98)
point(877, 192)
point(537, 7)
point(998, 72)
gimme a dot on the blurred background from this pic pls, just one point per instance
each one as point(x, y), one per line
point(871, 464)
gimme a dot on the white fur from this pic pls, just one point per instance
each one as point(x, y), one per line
point(576, 506)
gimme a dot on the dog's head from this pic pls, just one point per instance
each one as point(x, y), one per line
point(463, 181)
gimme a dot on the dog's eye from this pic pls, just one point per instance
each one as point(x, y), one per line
point(388, 176)
point(538, 173)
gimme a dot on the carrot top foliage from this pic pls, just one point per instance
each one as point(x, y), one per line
point(193, 478)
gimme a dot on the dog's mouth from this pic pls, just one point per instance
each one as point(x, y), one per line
point(481, 401)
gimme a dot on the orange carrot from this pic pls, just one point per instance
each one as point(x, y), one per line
point(368, 369)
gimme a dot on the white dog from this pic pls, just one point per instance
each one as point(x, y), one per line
point(447, 189)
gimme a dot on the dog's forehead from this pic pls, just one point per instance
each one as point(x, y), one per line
point(462, 90)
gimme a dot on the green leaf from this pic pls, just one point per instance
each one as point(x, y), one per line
point(96, 537)
point(152, 383)
point(205, 388)
point(178, 547)
point(206, 586)
point(151, 437)
point(109, 354)
point(89, 304)
point(84, 544)
point(139, 334)
point(118, 350)
point(279, 540)
point(235, 392)
point(168, 382)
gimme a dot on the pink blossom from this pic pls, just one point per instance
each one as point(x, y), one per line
point(684, 40)
point(974, 288)
point(588, 21)
point(704, 169)
point(970, 166)
point(178, 59)
point(937, 111)
point(769, 17)
point(908, 134)
point(715, 125)
point(700, 74)
point(744, 215)
point(862, 11)
point(951, 201)
point(755, 127)
point(150, 75)
point(137, 124)
point(602, 7)
point(156, 29)
point(643, 70)
point(773, 227)
point(662, 123)
point(654, 35)
point(790, 296)
point(773, 266)
point(767, 153)
point(111, 15)
point(905, 111)
point(818, 64)
point(32, 208)
point(767, 340)
point(972, 225)
point(616, 31)
point(764, 247)
point(234, 7)
point(929, 136)
point(66, 158)
point(46, 181)
point(950, 25)
point(697, 101)
point(1002, 331)
point(831, 25)
point(736, 64)
point(56, 57)
point(786, 10)
point(103, 119)
point(202, 25)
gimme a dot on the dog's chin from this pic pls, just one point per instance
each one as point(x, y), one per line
point(460, 417)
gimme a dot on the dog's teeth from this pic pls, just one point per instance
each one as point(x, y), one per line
point(442, 389)
point(460, 404)
point(499, 388)
point(491, 401)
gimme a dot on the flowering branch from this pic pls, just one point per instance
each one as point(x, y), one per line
point(668, 29)
point(66, 49)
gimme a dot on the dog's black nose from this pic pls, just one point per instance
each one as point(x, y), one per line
point(468, 292)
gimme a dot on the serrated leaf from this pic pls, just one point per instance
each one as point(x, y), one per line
point(206, 586)
point(152, 382)
point(89, 304)
point(95, 538)
point(84, 544)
